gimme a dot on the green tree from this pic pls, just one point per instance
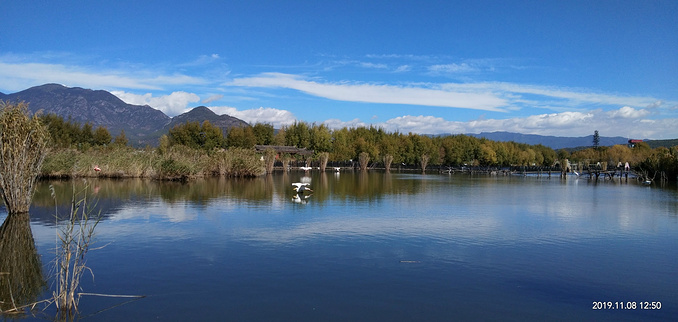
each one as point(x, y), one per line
point(321, 138)
point(263, 133)
point(121, 139)
point(86, 135)
point(241, 137)
point(298, 135)
point(101, 136)
point(487, 155)
point(342, 148)
point(211, 136)
point(596, 139)
point(197, 136)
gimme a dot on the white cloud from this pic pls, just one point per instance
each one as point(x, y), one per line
point(372, 93)
point(628, 112)
point(172, 104)
point(276, 117)
point(423, 124)
point(571, 124)
point(338, 124)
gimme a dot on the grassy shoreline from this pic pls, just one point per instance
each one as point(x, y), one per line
point(176, 163)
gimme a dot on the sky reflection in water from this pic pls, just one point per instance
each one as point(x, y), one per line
point(374, 246)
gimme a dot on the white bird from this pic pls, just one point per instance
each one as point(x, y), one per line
point(300, 199)
point(305, 168)
point(337, 169)
point(300, 187)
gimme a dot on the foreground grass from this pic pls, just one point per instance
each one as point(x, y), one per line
point(176, 163)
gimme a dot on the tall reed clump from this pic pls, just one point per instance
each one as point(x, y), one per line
point(424, 162)
point(23, 145)
point(269, 159)
point(239, 162)
point(363, 159)
point(324, 157)
point(74, 239)
point(388, 160)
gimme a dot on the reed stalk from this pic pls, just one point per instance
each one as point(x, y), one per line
point(74, 238)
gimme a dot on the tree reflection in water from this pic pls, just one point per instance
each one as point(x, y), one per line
point(21, 279)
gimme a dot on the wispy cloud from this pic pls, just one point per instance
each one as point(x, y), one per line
point(212, 98)
point(573, 96)
point(373, 93)
point(452, 68)
point(373, 65)
point(403, 68)
point(19, 76)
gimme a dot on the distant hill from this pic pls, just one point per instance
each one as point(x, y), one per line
point(665, 143)
point(142, 123)
point(98, 107)
point(201, 114)
point(554, 142)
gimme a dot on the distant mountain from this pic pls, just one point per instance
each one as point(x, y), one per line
point(98, 107)
point(142, 123)
point(554, 142)
point(201, 114)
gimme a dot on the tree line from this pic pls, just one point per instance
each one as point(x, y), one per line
point(374, 144)
point(72, 134)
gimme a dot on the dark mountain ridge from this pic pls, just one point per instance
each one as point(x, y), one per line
point(554, 142)
point(98, 107)
point(142, 124)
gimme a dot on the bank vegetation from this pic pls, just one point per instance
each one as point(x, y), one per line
point(196, 149)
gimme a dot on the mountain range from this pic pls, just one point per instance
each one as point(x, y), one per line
point(144, 125)
point(554, 142)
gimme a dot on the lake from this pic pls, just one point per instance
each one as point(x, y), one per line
point(375, 247)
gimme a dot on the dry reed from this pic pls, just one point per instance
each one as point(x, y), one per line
point(74, 238)
point(23, 145)
point(269, 159)
point(363, 159)
point(324, 157)
point(388, 160)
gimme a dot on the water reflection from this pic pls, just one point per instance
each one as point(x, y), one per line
point(370, 237)
point(117, 197)
point(21, 279)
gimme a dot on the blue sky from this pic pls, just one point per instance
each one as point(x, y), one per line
point(564, 68)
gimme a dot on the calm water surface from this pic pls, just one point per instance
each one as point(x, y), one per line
point(376, 247)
